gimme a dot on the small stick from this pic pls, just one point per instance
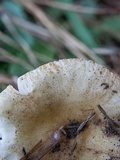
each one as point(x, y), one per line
point(85, 122)
point(40, 150)
point(82, 125)
point(113, 125)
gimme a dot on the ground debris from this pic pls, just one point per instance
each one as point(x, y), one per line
point(112, 127)
point(24, 151)
point(81, 126)
point(56, 148)
point(71, 129)
point(106, 85)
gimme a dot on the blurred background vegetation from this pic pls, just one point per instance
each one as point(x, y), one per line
point(34, 32)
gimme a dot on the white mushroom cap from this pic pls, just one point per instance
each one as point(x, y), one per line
point(48, 98)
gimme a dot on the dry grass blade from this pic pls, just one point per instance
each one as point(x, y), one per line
point(113, 33)
point(41, 33)
point(4, 79)
point(4, 38)
point(75, 8)
point(43, 57)
point(106, 51)
point(66, 38)
point(23, 44)
point(32, 28)
point(11, 58)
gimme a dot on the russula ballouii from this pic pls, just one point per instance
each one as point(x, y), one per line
point(52, 95)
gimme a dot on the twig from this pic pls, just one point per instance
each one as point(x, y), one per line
point(40, 150)
point(75, 8)
point(82, 125)
point(113, 125)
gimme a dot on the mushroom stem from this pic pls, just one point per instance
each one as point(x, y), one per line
point(58, 136)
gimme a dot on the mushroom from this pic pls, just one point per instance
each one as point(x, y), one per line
point(54, 95)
